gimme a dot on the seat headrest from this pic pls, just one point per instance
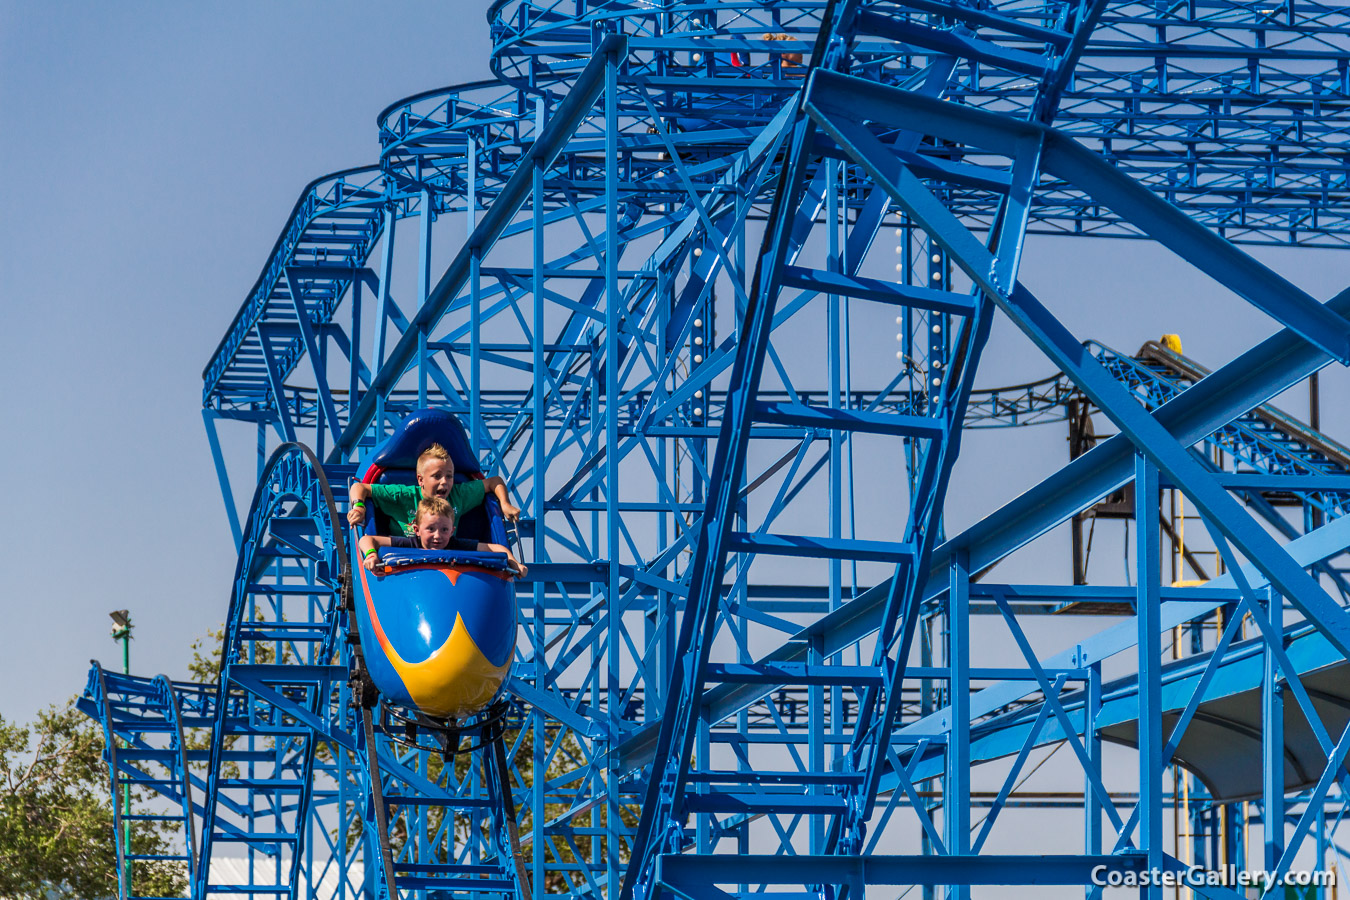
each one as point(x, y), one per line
point(421, 429)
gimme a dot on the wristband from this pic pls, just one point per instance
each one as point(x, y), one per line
point(356, 504)
point(367, 553)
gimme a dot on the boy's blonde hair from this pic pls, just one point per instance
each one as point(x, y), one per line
point(435, 451)
point(434, 506)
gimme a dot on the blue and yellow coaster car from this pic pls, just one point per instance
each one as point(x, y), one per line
point(437, 627)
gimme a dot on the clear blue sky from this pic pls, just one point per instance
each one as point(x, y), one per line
point(149, 155)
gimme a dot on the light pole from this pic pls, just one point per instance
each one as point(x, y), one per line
point(121, 631)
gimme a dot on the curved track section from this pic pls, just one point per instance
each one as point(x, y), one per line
point(314, 262)
point(279, 677)
point(144, 721)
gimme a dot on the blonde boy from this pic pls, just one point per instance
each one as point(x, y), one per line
point(435, 478)
point(433, 529)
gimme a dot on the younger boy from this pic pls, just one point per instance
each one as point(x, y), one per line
point(435, 478)
point(433, 529)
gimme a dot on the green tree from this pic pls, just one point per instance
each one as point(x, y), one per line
point(56, 818)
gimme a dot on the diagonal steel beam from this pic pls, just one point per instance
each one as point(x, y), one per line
point(316, 361)
point(552, 138)
point(278, 390)
point(1148, 436)
point(855, 99)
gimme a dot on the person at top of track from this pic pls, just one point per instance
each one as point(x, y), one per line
point(435, 478)
point(433, 529)
point(790, 60)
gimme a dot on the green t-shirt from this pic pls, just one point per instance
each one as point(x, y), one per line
point(399, 501)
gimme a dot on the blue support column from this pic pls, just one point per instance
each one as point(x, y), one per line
point(382, 317)
point(1148, 566)
point(1272, 739)
point(423, 292)
point(471, 189)
point(956, 792)
point(1092, 807)
point(354, 349)
point(836, 359)
point(327, 411)
point(223, 477)
point(816, 698)
point(539, 748)
point(1323, 844)
point(613, 320)
point(815, 750)
point(476, 353)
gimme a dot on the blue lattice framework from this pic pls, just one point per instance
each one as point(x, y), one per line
point(741, 669)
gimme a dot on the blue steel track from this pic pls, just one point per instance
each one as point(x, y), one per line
point(666, 224)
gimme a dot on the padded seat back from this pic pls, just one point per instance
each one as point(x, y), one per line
point(395, 462)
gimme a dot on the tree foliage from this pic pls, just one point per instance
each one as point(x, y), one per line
point(56, 817)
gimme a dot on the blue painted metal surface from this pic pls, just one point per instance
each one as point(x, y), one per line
point(283, 631)
point(664, 223)
point(144, 723)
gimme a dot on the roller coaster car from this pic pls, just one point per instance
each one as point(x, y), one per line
point(437, 627)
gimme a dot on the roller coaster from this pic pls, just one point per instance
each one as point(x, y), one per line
point(751, 657)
